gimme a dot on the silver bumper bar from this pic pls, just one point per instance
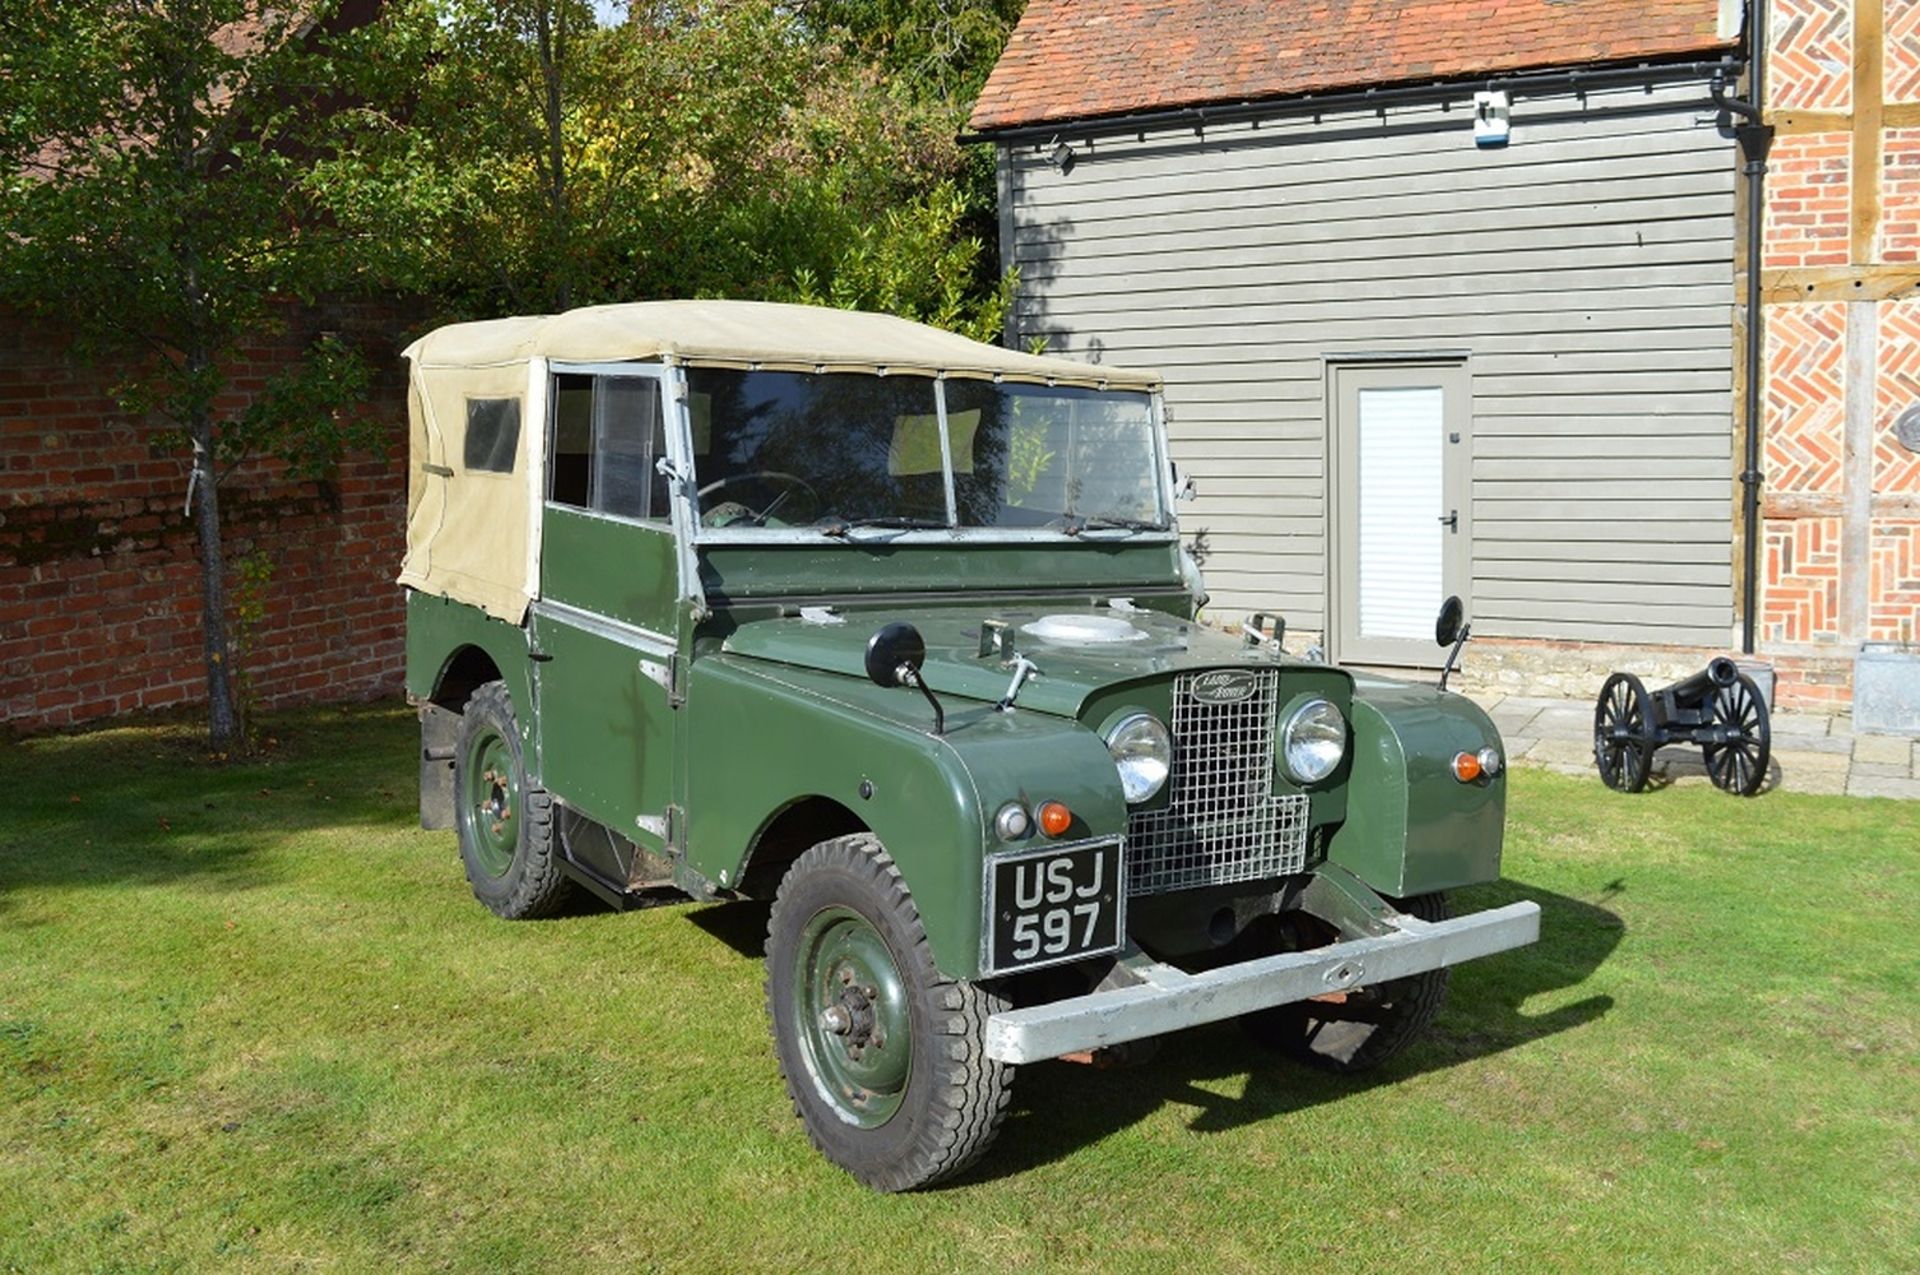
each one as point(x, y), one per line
point(1166, 999)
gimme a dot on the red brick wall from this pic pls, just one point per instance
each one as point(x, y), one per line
point(1900, 198)
point(1808, 201)
point(99, 575)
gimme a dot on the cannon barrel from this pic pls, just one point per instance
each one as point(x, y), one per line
point(1720, 671)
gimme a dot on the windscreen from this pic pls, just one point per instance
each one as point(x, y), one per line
point(1034, 456)
point(821, 450)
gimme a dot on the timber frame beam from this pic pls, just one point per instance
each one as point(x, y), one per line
point(1840, 283)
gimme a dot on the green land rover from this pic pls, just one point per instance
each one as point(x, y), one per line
point(891, 628)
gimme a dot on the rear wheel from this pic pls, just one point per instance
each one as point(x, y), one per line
point(1361, 1029)
point(883, 1057)
point(505, 824)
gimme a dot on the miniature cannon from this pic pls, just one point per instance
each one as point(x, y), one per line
point(1718, 708)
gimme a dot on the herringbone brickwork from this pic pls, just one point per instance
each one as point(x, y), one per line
point(1806, 397)
point(1902, 78)
point(1810, 67)
point(1809, 219)
point(1895, 587)
point(1900, 197)
point(1802, 594)
point(1808, 214)
point(1896, 471)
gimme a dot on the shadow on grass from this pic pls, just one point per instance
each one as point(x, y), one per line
point(1060, 1107)
point(741, 926)
point(144, 803)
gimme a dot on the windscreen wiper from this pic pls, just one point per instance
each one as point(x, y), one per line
point(1077, 523)
point(839, 527)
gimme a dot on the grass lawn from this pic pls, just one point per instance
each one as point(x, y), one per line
point(250, 1017)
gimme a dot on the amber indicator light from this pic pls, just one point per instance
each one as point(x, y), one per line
point(1466, 767)
point(1055, 818)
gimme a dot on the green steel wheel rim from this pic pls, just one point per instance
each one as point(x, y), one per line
point(850, 1009)
point(490, 806)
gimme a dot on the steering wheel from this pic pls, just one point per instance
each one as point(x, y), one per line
point(792, 482)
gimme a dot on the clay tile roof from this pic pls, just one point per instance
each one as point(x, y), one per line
point(1081, 59)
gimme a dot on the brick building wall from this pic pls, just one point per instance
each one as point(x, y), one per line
point(99, 575)
point(1841, 272)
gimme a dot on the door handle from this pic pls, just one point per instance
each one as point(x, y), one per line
point(1452, 519)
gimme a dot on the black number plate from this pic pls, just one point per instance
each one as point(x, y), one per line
point(1048, 906)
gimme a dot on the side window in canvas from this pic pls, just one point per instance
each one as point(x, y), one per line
point(608, 432)
point(493, 434)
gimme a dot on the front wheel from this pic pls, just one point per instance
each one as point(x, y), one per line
point(1623, 744)
point(883, 1058)
point(1359, 1030)
point(1739, 766)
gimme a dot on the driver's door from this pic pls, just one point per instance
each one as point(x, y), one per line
point(606, 624)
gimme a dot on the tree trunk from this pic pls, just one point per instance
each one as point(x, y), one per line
point(551, 37)
point(222, 728)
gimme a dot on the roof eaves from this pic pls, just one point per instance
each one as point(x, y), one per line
point(1343, 91)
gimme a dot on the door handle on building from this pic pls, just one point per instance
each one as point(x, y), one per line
point(1452, 519)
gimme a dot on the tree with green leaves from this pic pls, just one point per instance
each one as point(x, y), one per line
point(938, 49)
point(156, 198)
point(732, 148)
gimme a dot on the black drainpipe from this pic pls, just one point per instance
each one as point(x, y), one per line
point(1756, 139)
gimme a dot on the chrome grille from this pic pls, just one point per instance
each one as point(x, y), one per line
point(1222, 821)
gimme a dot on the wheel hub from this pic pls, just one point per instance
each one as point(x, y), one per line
point(853, 1006)
point(489, 800)
point(851, 1016)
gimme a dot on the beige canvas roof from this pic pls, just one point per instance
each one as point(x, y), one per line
point(741, 333)
point(474, 534)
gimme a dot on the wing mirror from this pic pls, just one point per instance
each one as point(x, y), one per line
point(895, 654)
point(1451, 629)
point(1183, 488)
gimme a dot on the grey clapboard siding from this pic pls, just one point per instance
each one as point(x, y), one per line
point(1585, 271)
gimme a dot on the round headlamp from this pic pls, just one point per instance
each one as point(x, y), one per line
point(1143, 752)
point(1313, 741)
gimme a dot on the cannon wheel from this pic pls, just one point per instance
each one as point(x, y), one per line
point(1623, 733)
point(1740, 767)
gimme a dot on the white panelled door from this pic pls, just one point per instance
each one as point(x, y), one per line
point(1399, 522)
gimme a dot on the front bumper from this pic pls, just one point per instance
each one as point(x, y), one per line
point(1163, 999)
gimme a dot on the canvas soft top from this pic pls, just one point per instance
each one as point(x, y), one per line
point(752, 333)
point(473, 512)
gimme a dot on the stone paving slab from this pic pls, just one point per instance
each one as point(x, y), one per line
point(1565, 752)
point(1801, 724)
point(1839, 745)
point(1536, 703)
point(1516, 725)
point(1872, 786)
point(1823, 774)
point(1874, 770)
point(1883, 750)
point(1553, 723)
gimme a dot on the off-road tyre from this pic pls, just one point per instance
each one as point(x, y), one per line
point(507, 840)
point(842, 906)
point(1374, 1025)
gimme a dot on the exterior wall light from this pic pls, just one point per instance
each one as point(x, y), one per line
point(1492, 120)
